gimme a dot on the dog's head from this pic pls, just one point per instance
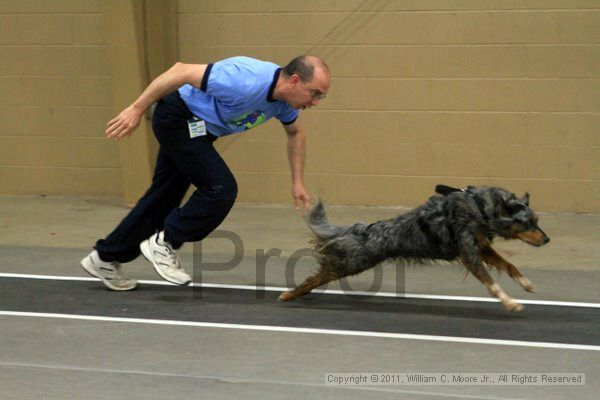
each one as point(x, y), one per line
point(513, 219)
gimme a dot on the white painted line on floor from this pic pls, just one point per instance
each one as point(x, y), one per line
point(268, 328)
point(47, 277)
point(327, 291)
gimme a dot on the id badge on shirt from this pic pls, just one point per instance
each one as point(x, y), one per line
point(197, 127)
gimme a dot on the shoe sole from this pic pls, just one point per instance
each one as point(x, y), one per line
point(106, 282)
point(146, 252)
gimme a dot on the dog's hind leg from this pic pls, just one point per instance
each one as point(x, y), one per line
point(479, 271)
point(312, 282)
point(491, 257)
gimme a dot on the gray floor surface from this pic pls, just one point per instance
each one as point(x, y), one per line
point(56, 357)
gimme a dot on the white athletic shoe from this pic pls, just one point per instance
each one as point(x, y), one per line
point(165, 259)
point(108, 272)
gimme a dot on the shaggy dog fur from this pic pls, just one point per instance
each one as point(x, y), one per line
point(457, 225)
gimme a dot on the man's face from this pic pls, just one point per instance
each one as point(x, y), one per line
point(308, 94)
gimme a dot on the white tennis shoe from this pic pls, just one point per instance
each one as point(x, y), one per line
point(165, 259)
point(108, 272)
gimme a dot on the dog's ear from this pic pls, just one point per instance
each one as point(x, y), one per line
point(507, 202)
point(525, 199)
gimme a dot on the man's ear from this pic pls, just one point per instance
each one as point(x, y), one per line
point(294, 79)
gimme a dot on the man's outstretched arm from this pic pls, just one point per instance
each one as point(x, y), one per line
point(175, 77)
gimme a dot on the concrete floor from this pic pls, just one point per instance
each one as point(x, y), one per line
point(58, 358)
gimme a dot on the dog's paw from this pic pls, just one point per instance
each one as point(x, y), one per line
point(286, 296)
point(530, 288)
point(526, 284)
point(513, 305)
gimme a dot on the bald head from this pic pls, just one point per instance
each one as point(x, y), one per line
point(303, 82)
point(304, 66)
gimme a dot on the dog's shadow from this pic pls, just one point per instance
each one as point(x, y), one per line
point(400, 305)
point(349, 304)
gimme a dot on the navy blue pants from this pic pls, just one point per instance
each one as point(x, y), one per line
point(181, 161)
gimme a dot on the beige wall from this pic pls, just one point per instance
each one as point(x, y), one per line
point(491, 92)
point(461, 92)
point(55, 98)
point(68, 67)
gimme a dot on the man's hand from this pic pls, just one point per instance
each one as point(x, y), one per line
point(124, 124)
point(301, 197)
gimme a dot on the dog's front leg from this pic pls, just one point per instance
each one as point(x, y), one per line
point(491, 257)
point(479, 271)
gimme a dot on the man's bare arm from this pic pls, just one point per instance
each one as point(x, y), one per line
point(175, 77)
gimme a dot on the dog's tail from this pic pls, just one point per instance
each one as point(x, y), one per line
point(318, 223)
point(341, 250)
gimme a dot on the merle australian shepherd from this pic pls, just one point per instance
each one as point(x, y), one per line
point(455, 225)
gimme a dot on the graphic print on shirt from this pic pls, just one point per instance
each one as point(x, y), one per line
point(250, 120)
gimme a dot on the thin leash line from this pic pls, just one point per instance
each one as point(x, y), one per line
point(336, 26)
point(318, 291)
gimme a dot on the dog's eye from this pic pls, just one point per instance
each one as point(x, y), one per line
point(530, 225)
point(522, 224)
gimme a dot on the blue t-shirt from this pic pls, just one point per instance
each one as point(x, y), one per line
point(236, 94)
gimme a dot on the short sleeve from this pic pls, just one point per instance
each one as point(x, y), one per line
point(288, 116)
point(226, 81)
